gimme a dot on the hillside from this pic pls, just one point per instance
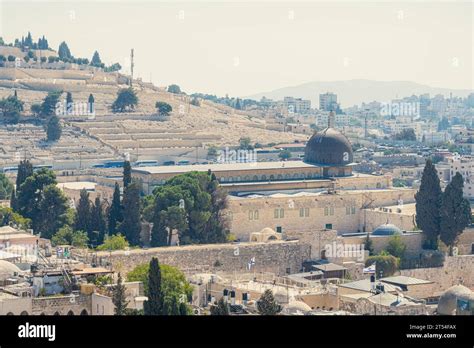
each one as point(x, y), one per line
point(188, 132)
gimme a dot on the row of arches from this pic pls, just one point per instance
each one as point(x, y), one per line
point(263, 177)
point(70, 312)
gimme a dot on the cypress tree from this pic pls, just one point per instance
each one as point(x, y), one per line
point(69, 103)
point(455, 212)
point(13, 202)
point(53, 128)
point(131, 225)
point(428, 204)
point(25, 169)
point(127, 174)
point(98, 223)
point(267, 305)
point(154, 304)
point(115, 211)
point(91, 103)
point(82, 221)
point(119, 298)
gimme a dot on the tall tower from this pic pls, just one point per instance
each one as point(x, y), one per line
point(331, 119)
point(131, 66)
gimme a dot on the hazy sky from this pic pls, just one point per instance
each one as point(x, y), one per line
point(245, 47)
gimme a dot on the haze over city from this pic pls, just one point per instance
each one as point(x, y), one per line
point(242, 48)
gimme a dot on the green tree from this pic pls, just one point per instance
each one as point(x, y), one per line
point(384, 262)
point(174, 89)
point(396, 247)
point(48, 106)
point(31, 195)
point(197, 215)
point(407, 134)
point(428, 204)
point(82, 221)
point(53, 129)
point(131, 225)
point(119, 298)
point(116, 242)
point(163, 108)
point(154, 304)
point(63, 51)
point(67, 236)
point(25, 169)
point(220, 308)
point(173, 281)
point(11, 109)
point(36, 110)
point(455, 212)
point(9, 217)
point(6, 187)
point(267, 305)
point(369, 245)
point(245, 143)
point(52, 208)
point(127, 173)
point(98, 223)
point(126, 100)
point(115, 211)
point(284, 154)
point(69, 102)
point(95, 61)
point(90, 103)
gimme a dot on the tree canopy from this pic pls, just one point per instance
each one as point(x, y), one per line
point(126, 100)
point(190, 205)
point(428, 204)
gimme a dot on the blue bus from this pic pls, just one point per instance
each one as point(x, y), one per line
point(149, 163)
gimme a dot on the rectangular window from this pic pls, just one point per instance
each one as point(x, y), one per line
point(255, 215)
point(282, 213)
point(353, 210)
point(301, 212)
point(329, 226)
point(278, 229)
point(250, 214)
point(276, 213)
point(306, 212)
point(331, 211)
point(326, 211)
point(348, 210)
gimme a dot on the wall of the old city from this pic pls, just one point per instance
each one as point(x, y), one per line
point(276, 257)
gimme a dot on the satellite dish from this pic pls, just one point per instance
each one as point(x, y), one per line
point(72, 299)
point(455, 251)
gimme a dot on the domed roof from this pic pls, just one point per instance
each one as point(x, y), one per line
point(298, 305)
point(386, 230)
point(448, 301)
point(267, 230)
point(7, 269)
point(328, 147)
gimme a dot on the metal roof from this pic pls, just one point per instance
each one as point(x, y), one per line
point(364, 285)
point(404, 280)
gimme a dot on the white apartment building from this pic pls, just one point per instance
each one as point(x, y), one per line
point(462, 164)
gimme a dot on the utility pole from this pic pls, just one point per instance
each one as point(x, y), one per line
point(131, 67)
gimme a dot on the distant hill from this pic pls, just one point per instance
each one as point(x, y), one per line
point(354, 92)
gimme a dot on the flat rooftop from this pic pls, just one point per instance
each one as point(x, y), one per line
point(221, 167)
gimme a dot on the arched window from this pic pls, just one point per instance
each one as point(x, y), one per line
point(24, 313)
point(84, 312)
point(57, 313)
point(10, 313)
point(70, 312)
point(255, 178)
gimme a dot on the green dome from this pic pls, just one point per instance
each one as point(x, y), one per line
point(386, 230)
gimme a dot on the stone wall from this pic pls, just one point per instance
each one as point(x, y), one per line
point(344, 211)
point(276, 257)
point(456, 270)
point(62, 305)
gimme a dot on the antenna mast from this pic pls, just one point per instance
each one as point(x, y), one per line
point(131, 66)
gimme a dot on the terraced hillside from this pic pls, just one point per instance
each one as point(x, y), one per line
point(189, 131)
